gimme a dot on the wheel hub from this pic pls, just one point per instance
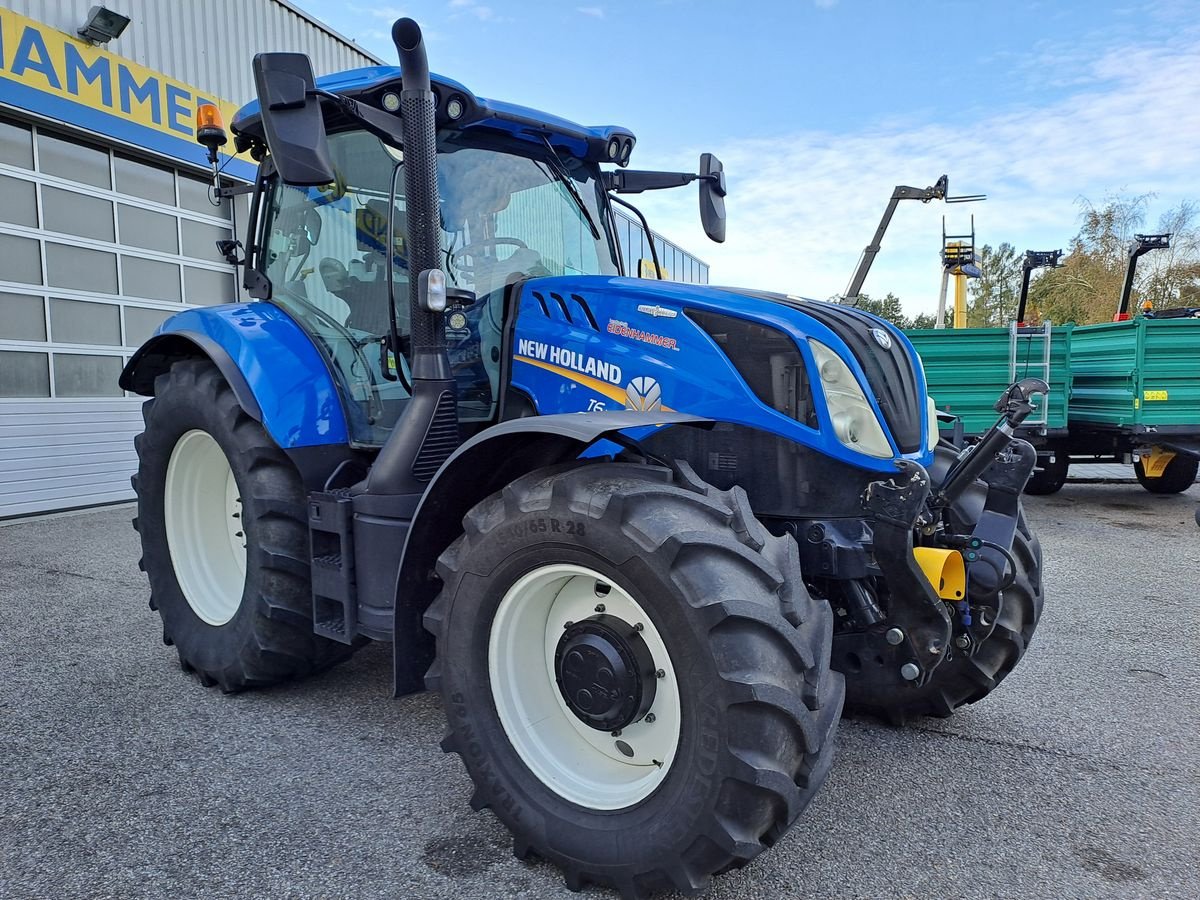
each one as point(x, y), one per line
point(605, 672)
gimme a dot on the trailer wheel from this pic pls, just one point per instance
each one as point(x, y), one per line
point(1050, 474)
point(633, 673)
point(999, 638)
point(1177, 477)
point(222, 519)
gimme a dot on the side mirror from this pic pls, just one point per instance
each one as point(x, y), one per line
point(291, 117)
point(712, 197)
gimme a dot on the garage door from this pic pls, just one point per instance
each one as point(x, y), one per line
point(97, 247)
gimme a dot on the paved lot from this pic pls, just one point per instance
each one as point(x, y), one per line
point(123, 778)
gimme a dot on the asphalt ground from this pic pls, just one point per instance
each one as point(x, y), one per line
point(122, 777)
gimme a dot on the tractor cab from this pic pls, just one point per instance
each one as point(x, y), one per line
point(521, 196)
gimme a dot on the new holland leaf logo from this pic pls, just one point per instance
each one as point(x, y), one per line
point(643, 394)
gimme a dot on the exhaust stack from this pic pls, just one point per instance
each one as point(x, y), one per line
point(417, 106)
point(427, 432)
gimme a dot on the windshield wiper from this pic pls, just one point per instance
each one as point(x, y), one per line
point(564, 178)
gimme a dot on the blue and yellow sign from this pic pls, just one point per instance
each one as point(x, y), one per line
point(53, 74)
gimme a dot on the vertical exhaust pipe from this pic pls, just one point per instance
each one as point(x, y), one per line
point(427, 432)
point(417, 106)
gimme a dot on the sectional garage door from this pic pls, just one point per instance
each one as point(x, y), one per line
point(97, 247)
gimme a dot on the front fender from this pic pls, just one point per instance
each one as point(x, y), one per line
point(278, 375)
point(480, 467)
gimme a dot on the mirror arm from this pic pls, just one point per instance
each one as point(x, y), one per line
point(634, 182)
point(384, 126)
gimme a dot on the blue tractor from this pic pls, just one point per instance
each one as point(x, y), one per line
point(645, 538)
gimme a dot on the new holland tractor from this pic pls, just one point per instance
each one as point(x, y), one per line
point(634, 532)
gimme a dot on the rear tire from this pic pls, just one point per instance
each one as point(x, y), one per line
point(999, 642)
point(743, 650)
point(1050, 474)
point(223, 525)
point(1177, 477)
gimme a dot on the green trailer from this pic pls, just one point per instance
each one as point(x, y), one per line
point(966, 369)
point(1136, 397)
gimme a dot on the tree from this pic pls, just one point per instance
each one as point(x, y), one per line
point(1087, 287)
point(888, 308)
point(995, 294)
point(1171, 277)
point(891, 309)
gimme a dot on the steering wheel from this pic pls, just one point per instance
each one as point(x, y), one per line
point(475, 247)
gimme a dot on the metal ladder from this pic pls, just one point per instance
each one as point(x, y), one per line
point(1030, 366)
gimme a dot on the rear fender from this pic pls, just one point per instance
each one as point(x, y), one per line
point(277, 374)
point(479, 468)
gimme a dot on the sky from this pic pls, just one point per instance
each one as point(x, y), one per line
point(819, 108)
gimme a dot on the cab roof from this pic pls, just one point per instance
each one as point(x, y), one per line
point(370, 83)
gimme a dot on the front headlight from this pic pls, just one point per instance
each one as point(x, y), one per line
point(935, 433)
point(854, 422)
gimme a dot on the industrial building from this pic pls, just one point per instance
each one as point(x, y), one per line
point(107, 225)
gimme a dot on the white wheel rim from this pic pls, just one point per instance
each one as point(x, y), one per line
point(202, 511)
point(579, 763)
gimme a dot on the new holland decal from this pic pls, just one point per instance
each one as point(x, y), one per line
point(641, 393)
point(538, 352)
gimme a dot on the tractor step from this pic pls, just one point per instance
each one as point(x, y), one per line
point(331, 539)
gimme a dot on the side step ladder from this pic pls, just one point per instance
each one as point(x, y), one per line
point(331, 539)
point(1027, 360)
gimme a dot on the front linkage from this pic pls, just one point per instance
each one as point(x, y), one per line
point(940, 562)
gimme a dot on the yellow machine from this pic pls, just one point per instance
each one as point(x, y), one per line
point(958, 262)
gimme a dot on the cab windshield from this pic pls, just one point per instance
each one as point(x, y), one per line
point(506, 216)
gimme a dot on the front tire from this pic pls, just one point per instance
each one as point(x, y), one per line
point(1177, 477)
point(614, 789)
point(222, 519)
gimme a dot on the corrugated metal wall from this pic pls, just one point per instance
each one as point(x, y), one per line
point(58, 453)
point(62, 448)
point(207, 43)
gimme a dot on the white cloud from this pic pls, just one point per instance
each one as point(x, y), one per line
point(802, 206)
point(471, 7)
point(596, 12)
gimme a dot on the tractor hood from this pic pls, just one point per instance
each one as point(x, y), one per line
point(889, 361)
point(704, 346)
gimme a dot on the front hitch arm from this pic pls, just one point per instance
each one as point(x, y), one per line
point(917, 618)
point(1014, 406)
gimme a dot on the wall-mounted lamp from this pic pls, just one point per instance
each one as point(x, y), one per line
point(102, 25)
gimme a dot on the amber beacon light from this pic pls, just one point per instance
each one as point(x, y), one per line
point(210, 130)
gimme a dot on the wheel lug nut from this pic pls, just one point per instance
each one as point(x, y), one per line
point(617, 733)
point(962, 642)
point(894, 636)
point(639, 627)
point(600, 607)
point(661, 673)
point(650, 718)
point(910, 672)
point(567, 624)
